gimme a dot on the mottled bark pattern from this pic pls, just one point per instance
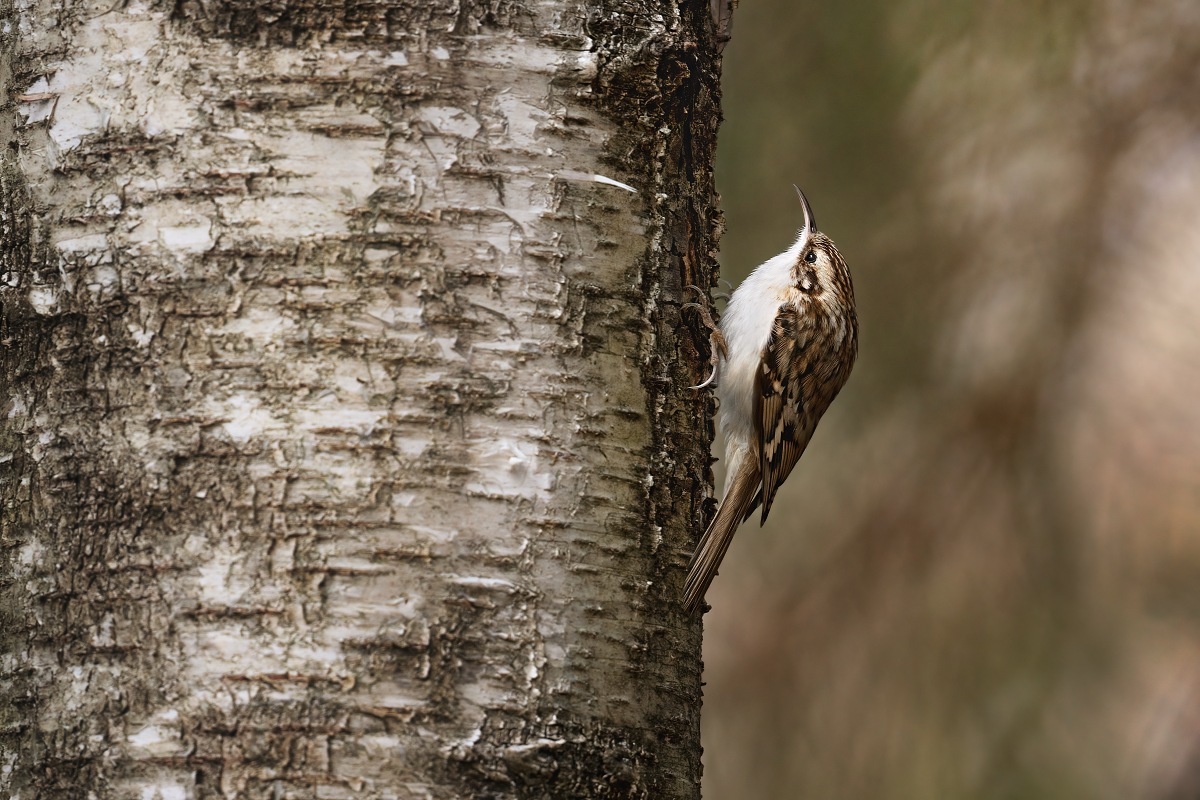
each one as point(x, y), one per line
point(345, 443)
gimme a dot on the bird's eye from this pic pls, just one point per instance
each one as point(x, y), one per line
point(811, 257)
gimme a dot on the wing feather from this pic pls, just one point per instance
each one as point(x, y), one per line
point(782, 420)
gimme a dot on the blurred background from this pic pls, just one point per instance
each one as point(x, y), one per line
point(983, 578)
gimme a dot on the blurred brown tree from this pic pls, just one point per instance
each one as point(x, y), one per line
point(984, 586)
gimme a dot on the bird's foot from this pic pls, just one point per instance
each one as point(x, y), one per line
point(724, 295)
point(718, 347)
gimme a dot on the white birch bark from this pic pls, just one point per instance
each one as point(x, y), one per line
point(345, 441)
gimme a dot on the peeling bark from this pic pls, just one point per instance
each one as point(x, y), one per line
point(345, 449)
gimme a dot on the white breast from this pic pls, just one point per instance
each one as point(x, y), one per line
point(746, 324)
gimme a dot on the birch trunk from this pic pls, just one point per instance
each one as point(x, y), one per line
point(345, 443)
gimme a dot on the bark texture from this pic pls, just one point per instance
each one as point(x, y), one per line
point(345, 444)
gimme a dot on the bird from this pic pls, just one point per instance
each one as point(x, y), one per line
point(785, 347)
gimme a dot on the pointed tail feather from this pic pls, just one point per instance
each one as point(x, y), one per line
point(735, 507)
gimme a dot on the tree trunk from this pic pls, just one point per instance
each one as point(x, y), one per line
point(345, 443)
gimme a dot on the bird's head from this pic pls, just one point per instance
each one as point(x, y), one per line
point(819, 269)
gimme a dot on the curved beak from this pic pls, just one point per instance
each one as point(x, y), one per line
point(810, 219)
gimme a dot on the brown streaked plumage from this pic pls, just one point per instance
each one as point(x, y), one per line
point(791, 333)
